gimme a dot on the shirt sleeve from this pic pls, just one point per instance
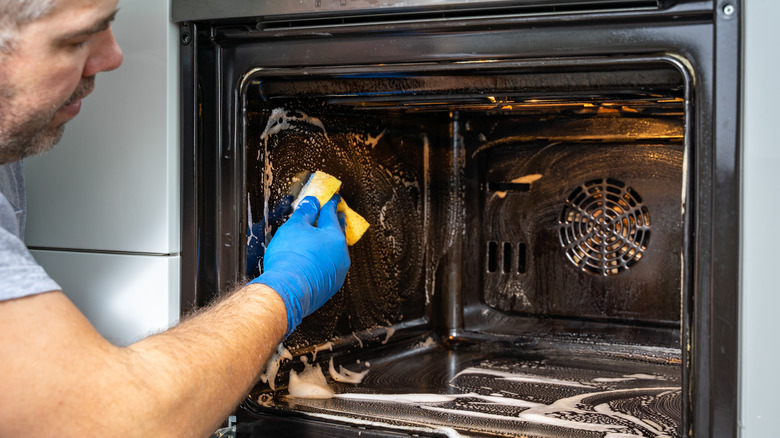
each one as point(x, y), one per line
point(20, 274)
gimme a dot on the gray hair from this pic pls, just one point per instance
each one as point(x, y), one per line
point(16, 13)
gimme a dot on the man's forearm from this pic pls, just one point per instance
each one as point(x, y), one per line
point(207, 363)
point(182, 382)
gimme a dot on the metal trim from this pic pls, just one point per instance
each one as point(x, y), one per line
point(193, 10)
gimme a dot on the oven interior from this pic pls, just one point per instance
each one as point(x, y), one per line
point(524, 266)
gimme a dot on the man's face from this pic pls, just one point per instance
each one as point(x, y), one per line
point(51, 68)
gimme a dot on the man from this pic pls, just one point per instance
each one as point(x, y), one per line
point(58, 376)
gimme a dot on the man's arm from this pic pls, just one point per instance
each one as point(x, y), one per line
point(60, 378)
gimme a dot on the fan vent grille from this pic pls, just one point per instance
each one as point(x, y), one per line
point(604, 228)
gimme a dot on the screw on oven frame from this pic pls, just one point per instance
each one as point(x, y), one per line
point(729, 10)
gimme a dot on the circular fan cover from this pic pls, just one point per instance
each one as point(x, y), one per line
point(604, 228)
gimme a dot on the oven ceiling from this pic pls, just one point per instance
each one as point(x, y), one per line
point(193, 10)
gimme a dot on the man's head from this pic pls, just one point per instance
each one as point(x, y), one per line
point(50, 52)
point(15, 14)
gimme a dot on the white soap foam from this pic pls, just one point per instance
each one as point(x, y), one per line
point(553, 414)
point(622, 435)
point(273, 364)
point(647, 377)
point(374, 140)
point(382, 212)
point(276, 122)
point(428, 342)
point(426, 399)
point(360, 341)
point(462, 413)
point(280, 120)
point(390, 331)
point(629, 377)
point(605, 409)
point(310, 383)
point(344, 375)
point(550, 414)
point(516, 377)
point(321, 347)
point(249, 220)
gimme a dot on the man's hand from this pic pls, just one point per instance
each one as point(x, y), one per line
point(304, 264)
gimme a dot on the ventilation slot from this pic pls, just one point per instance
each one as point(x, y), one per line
point(521, 258)
point(508, 187)
point(507, 257)
point(604, 228)
point(512, 257)
point(492, 256)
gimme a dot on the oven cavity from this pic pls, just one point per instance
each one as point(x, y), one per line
point(510, 209)
point(546, 179)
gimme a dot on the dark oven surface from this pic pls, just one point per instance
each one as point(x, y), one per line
point(490, 388)
point(530, 206)
point(542, 204)
point(538, 188)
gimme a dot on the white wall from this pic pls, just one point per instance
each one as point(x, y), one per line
point(126, 297)
point(103, 206)
point(112, 183)
point(760, 324)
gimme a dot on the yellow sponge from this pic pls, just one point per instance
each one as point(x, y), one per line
point(323, 186)
point(320, 185)
point(356, 224)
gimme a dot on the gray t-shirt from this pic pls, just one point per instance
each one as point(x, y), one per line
point(20, 274)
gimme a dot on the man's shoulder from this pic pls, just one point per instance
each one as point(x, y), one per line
point(20, 274)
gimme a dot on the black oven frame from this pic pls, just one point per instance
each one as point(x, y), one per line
point(703, 35)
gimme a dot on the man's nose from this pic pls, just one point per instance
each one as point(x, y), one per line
point(106, 54)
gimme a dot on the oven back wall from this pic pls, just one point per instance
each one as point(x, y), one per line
point(447, 172)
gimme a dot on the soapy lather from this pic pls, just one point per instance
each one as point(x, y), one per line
point(323, 186)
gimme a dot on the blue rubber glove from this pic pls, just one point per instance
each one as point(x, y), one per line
point(304, 264)
point(255, 234)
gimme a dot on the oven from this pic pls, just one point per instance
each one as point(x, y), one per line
point(553, 195)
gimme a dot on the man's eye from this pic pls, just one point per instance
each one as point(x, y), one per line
point(75, 43)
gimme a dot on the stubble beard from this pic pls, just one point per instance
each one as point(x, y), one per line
point(24, 132)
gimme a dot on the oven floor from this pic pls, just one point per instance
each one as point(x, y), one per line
point(497, 389)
